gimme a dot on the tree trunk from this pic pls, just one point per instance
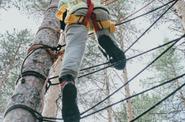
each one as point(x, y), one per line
point(127, 94)
point(28, 91)
point(180, 9)
point(109, 110)
point(50, 101)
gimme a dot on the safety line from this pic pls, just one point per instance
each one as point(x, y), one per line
point(127, 98)
point(147, 51)
point(133, 76)
point(153, 10)
point(151, 26)
point(135, 12)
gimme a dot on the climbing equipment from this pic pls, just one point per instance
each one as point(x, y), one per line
point(54, 52)
point(88, 20)
point(104, 24)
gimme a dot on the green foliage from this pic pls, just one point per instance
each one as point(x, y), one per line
point(13, 49)
point(169, 65)
point(141, 104)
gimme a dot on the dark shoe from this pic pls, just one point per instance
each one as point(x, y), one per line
point(70, 111)
point(115, 54)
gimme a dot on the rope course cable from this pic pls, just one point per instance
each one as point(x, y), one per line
point(135, 12)
point(127, 98)
point(134, 75)
point(151, 26)
point(153, 10)
point(147, 51)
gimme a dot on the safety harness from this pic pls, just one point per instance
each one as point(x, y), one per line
point(88, 20)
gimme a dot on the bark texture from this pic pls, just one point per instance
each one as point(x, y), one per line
point(107, 83)
point(180, 9)
point(50, 101)
point(127, 94)
point(28, 91)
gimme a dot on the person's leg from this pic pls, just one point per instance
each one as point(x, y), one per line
point(76, 36)
point(107, 41)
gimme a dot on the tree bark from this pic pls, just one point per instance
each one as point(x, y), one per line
point(109, 110)
point(50, 101)
point(28, 91)
point(180, 9)
point(127, 94)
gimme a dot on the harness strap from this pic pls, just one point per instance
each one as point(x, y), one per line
point(36, 114)
point(31, 73)
point(94, 21)
point(89, 13)
point(104, 24)
point(54, 52)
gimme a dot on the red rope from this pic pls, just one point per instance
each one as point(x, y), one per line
point(89, 12)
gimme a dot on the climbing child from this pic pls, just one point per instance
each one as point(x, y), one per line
point(77, 18)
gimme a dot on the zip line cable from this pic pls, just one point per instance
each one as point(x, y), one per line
point(153, 10)
point(151, 26)
point(127, 98)
point(158, 103)
point(133, 76)
point(135, 12)
point(109, 2)
point(147, 51)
